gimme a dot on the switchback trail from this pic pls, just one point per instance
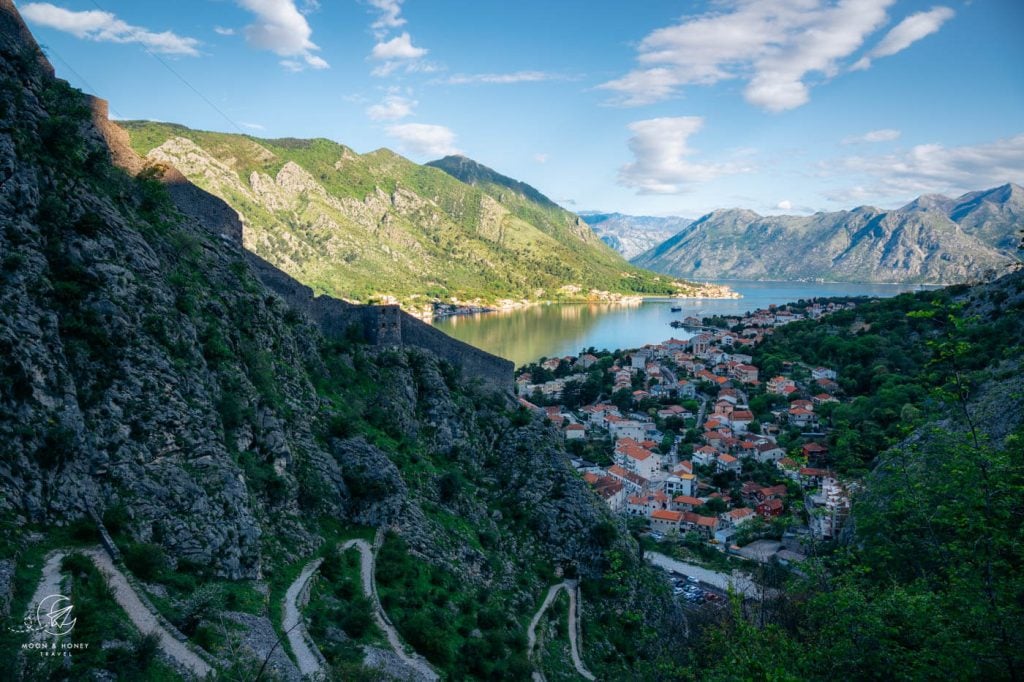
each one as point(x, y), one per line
point(571, 588)
point(310, 660)
point(367, 567)
point(128, 599)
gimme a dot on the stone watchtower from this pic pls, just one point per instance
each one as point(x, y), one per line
point(385, 328)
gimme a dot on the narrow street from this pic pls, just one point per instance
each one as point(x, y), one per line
point(739, 582)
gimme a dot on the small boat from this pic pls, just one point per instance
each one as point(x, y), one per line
point(676, 309)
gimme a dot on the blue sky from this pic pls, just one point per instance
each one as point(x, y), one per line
point(651, 107)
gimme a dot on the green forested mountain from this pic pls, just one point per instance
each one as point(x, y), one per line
point(369, 226)
point(934, 239)
point(926, 580)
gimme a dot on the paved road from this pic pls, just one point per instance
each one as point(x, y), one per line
point(702, 411)
point(309, 659)
point(739, 582)
point(571, 587)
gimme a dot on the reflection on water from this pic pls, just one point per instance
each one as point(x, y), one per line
point(565, 328)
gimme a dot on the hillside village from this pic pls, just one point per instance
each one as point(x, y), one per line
point(687, 438)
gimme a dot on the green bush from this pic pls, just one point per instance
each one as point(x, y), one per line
point(146, 561)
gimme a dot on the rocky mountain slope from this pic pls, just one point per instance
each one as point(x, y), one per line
point(631, 235)
point(931, 240)
point(151, 383)
point(377, 226)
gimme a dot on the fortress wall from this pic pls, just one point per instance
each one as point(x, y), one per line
point(472, 361)
point(384, 325)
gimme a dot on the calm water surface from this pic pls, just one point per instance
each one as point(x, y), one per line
point(564, 328)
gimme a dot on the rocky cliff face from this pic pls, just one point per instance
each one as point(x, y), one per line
point(934, 240)
point(632, 235)
point(149, 377)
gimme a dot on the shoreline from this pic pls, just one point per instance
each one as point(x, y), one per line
point(837, 281)
point(704, 291)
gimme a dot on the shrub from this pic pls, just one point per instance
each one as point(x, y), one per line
point(116, 519)
point(56, 448)
point(146, 561)
point(145, 648)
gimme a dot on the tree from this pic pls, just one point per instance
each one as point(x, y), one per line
point(623, 399)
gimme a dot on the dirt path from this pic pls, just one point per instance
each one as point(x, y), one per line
point(571, 588)
point(308, 658)
point(127, 599)
point(143, 618)
point(574, 632)
point(49, 583)
point(367, 565)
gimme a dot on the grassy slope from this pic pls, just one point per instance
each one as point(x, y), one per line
point(460, 245)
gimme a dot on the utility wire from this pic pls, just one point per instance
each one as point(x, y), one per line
point(191, 87)
point(92, 91)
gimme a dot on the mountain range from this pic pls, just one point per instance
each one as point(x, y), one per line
point(377, 226)
point(632, 235)
point(933, 239)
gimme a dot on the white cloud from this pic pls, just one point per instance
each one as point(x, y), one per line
point(502, 78)
point(906, 33)
point(106, 27)
point(399, 47)
point(282, 29)
point(661, 164)
point(220, 30)
point(399, 53)
point(882, 135)
point(390, 16)
point(316, 62)
point(931, 168)
point(784, 205)
point(773, 46)
point(252, 126)
point(391, 108)
point(540, 158)
point(423, 139)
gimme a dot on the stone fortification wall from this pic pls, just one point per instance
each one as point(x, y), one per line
point(384, 325)
point(473, 361)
